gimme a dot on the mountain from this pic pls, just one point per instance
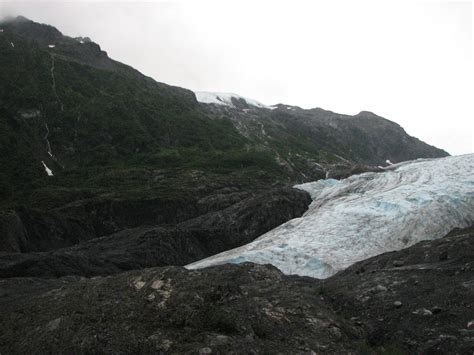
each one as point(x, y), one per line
point(68, 109)
point(92, 147)
point(365, 215)
point(315, 138)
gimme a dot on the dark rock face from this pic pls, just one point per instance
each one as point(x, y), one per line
point(248, 219)
point(12, 234)
point(105, 216)
point(26, 230)
point(423, 306)
point(342, 171)
point(180, 244)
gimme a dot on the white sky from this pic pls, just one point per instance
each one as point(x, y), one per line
point(410, 62)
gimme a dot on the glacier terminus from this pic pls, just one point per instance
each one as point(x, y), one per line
point(365, 215)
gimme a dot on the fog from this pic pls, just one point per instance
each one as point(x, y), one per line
point(410, 62)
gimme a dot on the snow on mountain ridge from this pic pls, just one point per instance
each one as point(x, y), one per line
point(225, 99)
point(365, 215)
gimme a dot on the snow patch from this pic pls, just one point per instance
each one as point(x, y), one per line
point(11, 43)
point(225, 99)
point(48, 170)
point(365, 215)
point(29, 113)
point(51, 46)
point(388, 162)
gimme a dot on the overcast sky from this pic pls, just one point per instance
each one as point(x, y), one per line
point(410, 62)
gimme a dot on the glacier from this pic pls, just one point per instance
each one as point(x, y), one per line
point(365, 215)
point(225, 99)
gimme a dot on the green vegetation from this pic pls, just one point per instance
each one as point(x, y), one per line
point(104, 129)
point(108, 129)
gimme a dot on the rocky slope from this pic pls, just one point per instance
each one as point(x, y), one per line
point(417, 300)
point(322, 142)
point(179, 244)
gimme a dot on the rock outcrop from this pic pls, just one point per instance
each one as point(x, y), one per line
point(417, 300)
point(220, 229)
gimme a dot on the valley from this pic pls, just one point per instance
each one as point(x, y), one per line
point(140, 217)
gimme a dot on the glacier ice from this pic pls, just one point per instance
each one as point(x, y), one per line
point(225, 99)
point(365, 215)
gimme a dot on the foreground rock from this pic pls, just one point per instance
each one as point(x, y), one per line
point(422, 306)
point(417, 300)
point(241, 308)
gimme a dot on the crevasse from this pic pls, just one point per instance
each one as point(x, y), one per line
point(365, 215)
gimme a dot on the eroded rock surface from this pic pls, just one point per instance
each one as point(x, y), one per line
point(180, 244)
point(417, 300)
point(239, 308)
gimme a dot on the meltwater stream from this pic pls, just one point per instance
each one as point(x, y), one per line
point(365, 215)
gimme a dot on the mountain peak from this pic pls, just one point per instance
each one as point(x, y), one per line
point(366, 114)
point(38, 32)
point(17, 19)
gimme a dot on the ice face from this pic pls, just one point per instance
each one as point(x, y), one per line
point(365, 215)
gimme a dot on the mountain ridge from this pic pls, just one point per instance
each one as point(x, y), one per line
point(51, 42)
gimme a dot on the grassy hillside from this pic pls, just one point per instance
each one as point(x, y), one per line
point(101, 122)
point(104, 129)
